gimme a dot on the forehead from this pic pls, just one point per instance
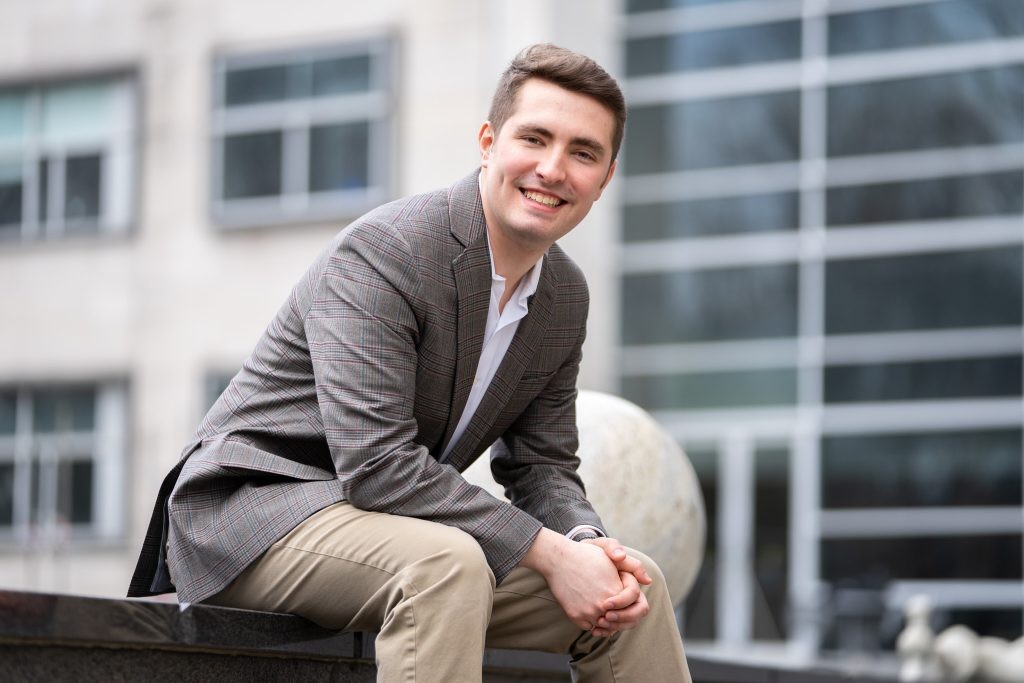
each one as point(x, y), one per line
point(544, 103)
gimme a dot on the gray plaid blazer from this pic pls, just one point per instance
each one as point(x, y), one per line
point(355, 388)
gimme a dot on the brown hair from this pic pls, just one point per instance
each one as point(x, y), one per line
point(564, 68)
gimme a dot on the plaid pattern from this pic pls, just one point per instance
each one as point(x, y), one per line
point(355, 388)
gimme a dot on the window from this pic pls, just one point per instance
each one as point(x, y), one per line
point(647, 5)
point(709, 49)
point(61, 456)
point(760, 602)
point(924, 291)
point(66, 159)
point(982, 107)
point(738, 388)
point(924, 24)
point(980, 377)
point(730, 131)
point(935, 198)
point(771, 544)
point(706, 305)
point(874, 562)
point(700, 609)
point(717, 216)
point(303, 135)
point(922, 470)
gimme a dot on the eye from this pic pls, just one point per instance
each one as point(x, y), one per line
point(585, 155)
point(531, 140)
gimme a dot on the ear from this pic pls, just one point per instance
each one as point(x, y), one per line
point(485, 139)
point(608, 177)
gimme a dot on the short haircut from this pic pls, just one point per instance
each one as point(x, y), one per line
point(567, 69)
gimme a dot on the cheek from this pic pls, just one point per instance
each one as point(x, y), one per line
point(596, 185)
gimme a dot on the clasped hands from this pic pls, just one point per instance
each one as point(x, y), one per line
point(596, 582)
point(625, 609)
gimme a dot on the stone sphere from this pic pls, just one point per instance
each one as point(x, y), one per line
point(639, 481)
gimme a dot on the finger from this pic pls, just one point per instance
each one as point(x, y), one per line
point(611, 547)
point(627, 563)
point(627, 596)
point(623, 561)
point(635, 567)
point(584, 623)
point(633, 613)
point(626, 618)
point(618, 626)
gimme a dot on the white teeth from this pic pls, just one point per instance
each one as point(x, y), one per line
point(542, 198)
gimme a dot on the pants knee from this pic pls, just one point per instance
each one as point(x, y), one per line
point(457, 565)
point(658, 585)
point(467, 555)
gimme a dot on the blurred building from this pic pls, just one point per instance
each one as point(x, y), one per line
point(809, 266)
point(821, 297)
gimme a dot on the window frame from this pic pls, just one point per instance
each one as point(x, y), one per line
point(294, 119)
point(117, 150)
point(104, 446)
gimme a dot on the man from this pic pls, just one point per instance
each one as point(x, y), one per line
point(326, 480)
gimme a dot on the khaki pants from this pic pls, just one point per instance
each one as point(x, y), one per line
point(428, 592)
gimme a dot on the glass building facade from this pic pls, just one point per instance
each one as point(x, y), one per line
point(822, 230)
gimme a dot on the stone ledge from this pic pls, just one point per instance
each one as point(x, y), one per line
point(48, 637)
point(89, 622)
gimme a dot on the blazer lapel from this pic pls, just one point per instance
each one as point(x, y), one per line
point(520, 353)
point(472, 271)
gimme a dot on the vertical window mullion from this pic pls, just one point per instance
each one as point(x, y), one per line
point(108, 461)
point(295, 163)
point(32, 226)
point(55, 207)
point(804, 502)
point(23, 443)
point(103, 208)
point(735, 575)
point(46, 514)
point(383, 138)
point(381, 161)
point(217, 164)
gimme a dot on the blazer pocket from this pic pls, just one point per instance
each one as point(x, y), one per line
point(534, 382)
point(233, 455)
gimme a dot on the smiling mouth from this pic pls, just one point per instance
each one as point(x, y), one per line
point(541, 198)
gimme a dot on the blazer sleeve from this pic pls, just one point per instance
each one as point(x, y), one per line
point(535, 459)
point(362, 332)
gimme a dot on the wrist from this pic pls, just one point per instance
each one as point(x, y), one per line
point(543, 554)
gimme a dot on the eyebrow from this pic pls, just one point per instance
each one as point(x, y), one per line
point(593, 145)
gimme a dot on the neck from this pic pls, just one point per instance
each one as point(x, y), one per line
point(510, 262)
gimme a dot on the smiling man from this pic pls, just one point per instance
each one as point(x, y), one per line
point(326, 479)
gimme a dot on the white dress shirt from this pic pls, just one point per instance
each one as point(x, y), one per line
point(499, 330)
point(498, 333)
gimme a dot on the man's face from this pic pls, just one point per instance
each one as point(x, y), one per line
point(546, 166)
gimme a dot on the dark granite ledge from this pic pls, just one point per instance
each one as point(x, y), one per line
point(49, 637)
point(73, 620)
point(45, 637)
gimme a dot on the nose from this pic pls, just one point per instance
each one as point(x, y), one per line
point(550, 167)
